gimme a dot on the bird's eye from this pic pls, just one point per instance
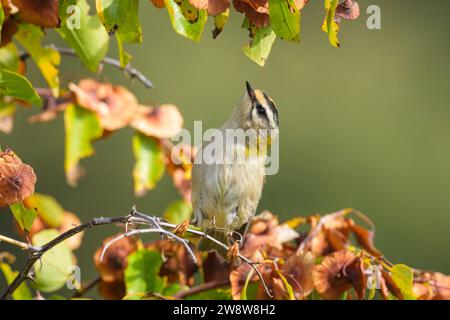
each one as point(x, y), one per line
point(260, 109)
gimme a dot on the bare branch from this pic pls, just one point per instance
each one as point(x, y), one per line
point(132, 72)
point(20, 244)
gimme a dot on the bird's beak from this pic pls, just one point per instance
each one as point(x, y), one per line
point(250, 91)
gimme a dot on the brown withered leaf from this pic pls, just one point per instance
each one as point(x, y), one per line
point(163, 122)
point(388, 285)
point(115, 105)
point(178, 266)
point(265, 233)
point(43, 13)
point(349, 10)
point(214, 7)
point(257, 11)
point(239, 275)
point(158, 3)
point(337, 273)
point(115, 260)
point(114, 290)
point(298, 271)
point(181, 170)
point(432, 286)
point(17, 180)
point(365, 238)
point(9, 29)
point(215, 267)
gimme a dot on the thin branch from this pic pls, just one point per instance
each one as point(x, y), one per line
point(202, 287)
point(86, 287)
point(37, 252)
point(20, 244)
point(134, 217)
point(132, 72)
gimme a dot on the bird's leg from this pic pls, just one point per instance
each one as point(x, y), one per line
point(247, 227)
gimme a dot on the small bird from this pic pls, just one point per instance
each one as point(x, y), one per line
point(225, 194)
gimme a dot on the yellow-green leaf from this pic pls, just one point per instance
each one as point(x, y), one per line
point(53, 269)
point(24, 216)
point(178, 211)
point(9, 57)
point(149, 166)
point(47, 207)
point(17, 86)
point(286, 284)
point(262, 39)
point(22, 292)
point(82, 127)
point(186, 19)
point(142, 273)
point(219, 22)
point(121, 18)
point(285, 19)
point(46, 58)
point(403, 277)
point(90, 41)
point(330, 26)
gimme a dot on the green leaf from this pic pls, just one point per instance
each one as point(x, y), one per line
point(24, 216)
point(219, 22)
point(82, 127)
point(186, 19)
point(285, 19)
point(149, 166)
point(178, 211)
point(121, 17)
point(53, 269)
point(246, 284)
point(17, 86)
point(260, 45)
point(141, 274)
point(403, 277)
point(90, 41)
point(46, 58)
point(9, 57)
point(48, 209)
point(22, 292)
point(2, 19)
point(330, 26)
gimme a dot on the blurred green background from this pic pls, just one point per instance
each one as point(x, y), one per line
point(364, 126)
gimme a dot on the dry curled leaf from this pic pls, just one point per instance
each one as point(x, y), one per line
point(43, 13)
point(337, 273)
point(181, 169)
point(215, 267)
point(239, 275)
point(266, 232)
point(114, 290)
point(214, 7)
point(348, 9)
point(17, 180)
point(298, 270)
point(178, 265)
point(115, 259)
point(432, 286)
point(257, 11)
point(9, 28)
point(163, 122)
point(158, 3)
point(114, 105)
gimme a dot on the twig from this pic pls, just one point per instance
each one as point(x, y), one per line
point(202, 287)
point(20, 244)
point(132, 72)
point(86, 287)
point(134, 217)
point(37, 252)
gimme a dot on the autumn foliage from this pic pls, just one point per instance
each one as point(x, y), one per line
point(330, 256)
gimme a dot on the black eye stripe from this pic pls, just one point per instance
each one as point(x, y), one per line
point(273, 109)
